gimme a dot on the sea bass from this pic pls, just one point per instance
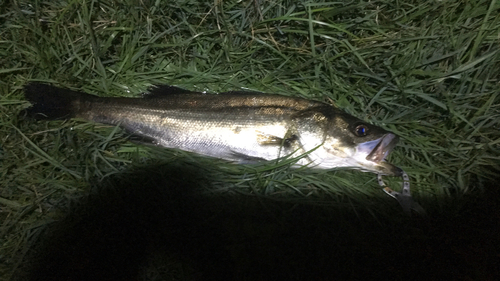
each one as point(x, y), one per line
point(236, 126)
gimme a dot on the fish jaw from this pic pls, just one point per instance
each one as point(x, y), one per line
point(379, 149)
point(371, 155)
point(367, 156)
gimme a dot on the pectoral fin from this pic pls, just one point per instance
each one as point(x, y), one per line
point(267, 139)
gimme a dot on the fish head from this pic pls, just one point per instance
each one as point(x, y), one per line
point(363, 145)
point(349, 142)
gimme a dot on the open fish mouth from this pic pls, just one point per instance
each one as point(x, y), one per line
point(378, 150)
point(382, 148)
point(371, 155)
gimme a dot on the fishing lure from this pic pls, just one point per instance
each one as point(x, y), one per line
point(404, 197)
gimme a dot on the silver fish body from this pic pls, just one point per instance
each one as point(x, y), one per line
point(236, 126)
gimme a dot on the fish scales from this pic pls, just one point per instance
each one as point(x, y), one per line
point(236, 126)
point(226, 126)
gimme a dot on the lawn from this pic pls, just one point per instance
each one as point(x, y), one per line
point(79, 201)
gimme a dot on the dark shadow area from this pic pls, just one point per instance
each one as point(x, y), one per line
point(154, 222)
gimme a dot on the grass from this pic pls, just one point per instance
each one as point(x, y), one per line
point(426, 70)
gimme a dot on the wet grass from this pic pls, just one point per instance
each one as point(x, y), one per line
point(426, 70)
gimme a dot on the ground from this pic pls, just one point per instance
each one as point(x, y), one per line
point(80, 201)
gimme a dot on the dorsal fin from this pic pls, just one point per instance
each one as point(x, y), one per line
point(157, 91)
point(243, 93)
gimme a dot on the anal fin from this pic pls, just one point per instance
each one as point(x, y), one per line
point(143, 140)
point(244, 158)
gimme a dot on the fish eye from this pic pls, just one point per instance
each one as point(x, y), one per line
point(361, 130)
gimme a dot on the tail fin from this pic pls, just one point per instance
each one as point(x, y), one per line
point(50, 102)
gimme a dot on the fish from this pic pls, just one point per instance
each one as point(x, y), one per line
point(238, 126)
